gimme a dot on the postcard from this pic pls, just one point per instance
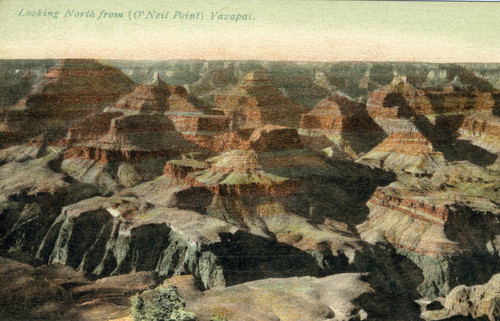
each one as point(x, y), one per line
point(285, 160)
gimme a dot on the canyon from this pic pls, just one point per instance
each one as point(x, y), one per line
point(257, 190)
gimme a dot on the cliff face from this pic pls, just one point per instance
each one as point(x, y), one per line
point(129, 141)
point(439, 221)
point(182, 242)
point(427, 225)
point(274, 188)
point(254, 102)
point(478, 302)
point(68, 92)
point(406, 149)
point(148, 98)
point(341, 122)
point(348, 211)
point(421, 125)
point(482, 129)
point(32, 193)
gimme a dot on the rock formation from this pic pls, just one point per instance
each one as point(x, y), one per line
point(252, 205)
point(129, 140)
point(483, 130)
point(426, 224)
point(68, 92)
point(32, 193)
point(348, 296)
point(276, 191)
point(420, 124)
point(254, 102)
point(341, 122)
point(197, 122)
point(478, 302)
point(406, 149)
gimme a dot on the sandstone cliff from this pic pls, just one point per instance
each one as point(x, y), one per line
point(341, 122)
point(440, 230)
point(68, 92)
point(254, 102)
point(128, 142)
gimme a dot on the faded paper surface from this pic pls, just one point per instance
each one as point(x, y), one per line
point(263, 30)
point(249, 160)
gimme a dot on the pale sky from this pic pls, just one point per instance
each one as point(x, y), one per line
point(277, 30)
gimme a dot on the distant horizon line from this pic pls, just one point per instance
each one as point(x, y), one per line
point(261, 60)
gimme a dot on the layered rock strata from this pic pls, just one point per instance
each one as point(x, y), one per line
point(441, 231)
point(342, 122)
point(69, 91)
point(348, 296)
point(182, 242)
point(128, 142)
point(478, 302)
point(254, 102)
point(276, 191)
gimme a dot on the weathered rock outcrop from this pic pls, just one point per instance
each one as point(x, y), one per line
point(441, 231)
point(400, 110)
point(31, 196)
point(406, 149)
point(254, 102)
point(58, 292)
point(274, 188)
point(341, 122)
point(422, 125)
point(148, 98)
point(483, 129)
point(127, 143)
point(191, 117)
point(68, 92)
point(349, 296)
point(123, 235)
point(478, 302)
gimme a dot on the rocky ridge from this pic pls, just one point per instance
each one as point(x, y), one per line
point(397, 198)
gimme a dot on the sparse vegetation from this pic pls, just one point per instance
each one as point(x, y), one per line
point(161, 304)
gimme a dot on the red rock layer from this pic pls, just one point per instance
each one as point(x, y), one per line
point(381, 102)
point(255, 190)
point(408, 143)
point(183, 171)
point(132, 138)
point(418, 102)
point(268, 137)
point(415, 208)
point(254, 102)
point(68, 92)
point(434, 225)
point(78, 84)
point(91, 128)
point(179, 169)
point(478, 125)
point(217, 142)
point(140, 126)
point(148, 98)
point(104, 155)
point(338, 114)
point(204, 123)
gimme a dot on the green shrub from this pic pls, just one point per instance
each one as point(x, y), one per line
point(161, 304)
point(218, 318)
